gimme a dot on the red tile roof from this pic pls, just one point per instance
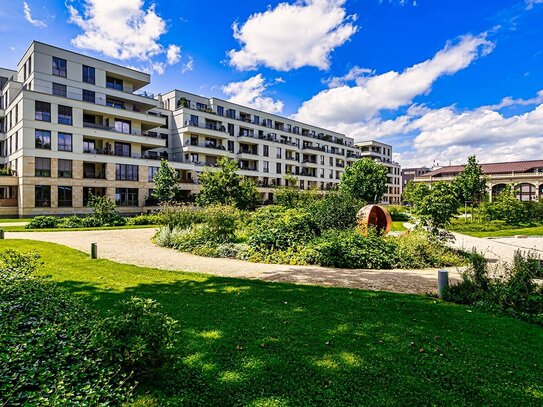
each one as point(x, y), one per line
point(490, 168)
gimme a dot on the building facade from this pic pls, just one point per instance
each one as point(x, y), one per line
point(409, 174)
point(524, 177)
point(382, 153)
point(73, 126)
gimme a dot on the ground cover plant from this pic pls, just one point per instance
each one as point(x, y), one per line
point(248, 342)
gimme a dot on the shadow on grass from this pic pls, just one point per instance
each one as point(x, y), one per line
point(254, 343)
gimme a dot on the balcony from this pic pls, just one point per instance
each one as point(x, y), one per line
point(205, 129)
point(206, 148)
point(151, 139)
point(309, 163)
point(315, 148)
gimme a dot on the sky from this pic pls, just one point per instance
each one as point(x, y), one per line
point(440, 80)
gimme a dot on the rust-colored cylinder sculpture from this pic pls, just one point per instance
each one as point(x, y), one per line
point(373, 216)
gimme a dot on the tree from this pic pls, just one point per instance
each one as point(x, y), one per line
point(224, 186)
point(414, 192)
point(103, 209)
point(365, 180)
point(166, 182)
point(470, 184)
point(436, 208)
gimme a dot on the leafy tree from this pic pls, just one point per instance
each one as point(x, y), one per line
point(414, 192)
point(365, 180)
point(470, 184)
point(290, 196)
point(224, 186)
point(103, 210)
point(166, 182)
point(436, 208)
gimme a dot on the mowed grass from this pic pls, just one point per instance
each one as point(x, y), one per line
point(397, 226)
point(252, 343)
point(532, 231)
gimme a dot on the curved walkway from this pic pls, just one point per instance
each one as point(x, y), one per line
point(134, 246)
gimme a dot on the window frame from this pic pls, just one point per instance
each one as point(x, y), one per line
point(60, 71)
point(42, 111)
point(45, 201)
point(42, 172)
point(90, 78)
point(64, 203)
point(64, 173)
point(44, 145)
point(64, 118)
point(62, 135)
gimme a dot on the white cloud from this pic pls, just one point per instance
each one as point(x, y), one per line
point(293, 35)
point(28, 17)
point(391, 90)
point(119, 29)
point(530, 3)
point(250, 93)
point(355, 74)
point(188, 66)
point(173, 54)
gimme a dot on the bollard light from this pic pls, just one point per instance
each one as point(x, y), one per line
point(442, 282)
point(94, 251)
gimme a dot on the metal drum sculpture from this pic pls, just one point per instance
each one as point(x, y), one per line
point(373, 216)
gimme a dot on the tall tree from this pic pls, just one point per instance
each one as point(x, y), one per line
point(470, 184)
point(365, 180)
point(224, 186)
point(166, 182)
point(436, 207)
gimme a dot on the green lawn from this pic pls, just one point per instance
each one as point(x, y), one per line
point(245, 342)
point(397, 226)
point(22, 228)
point(533, 231)
point(13, 220)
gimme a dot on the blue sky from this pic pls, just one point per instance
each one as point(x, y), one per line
point(440, 80)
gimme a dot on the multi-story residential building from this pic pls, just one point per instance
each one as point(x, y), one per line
point(382, 153)
point(409, 174)
point(73, 126)
point(525, 177)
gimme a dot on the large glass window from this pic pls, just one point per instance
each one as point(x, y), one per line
point(117, 104)
point(65, 168)
point(126, 196)
point(59, 67)
point(43, 139)
point(64, 197)
point(89, 96)
point(88, 192)
point(88, 74)
point(122, 126)
point(65, 115)
point(123, 149)
point(152, 173)
point(43, 167)
point(42, 196)
point(64, 142)
point(59, 89)
point(43, 111)
point(125, 172)
point(114, 83)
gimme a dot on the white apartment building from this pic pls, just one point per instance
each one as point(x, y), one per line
point(382, 153)
point(72, 126)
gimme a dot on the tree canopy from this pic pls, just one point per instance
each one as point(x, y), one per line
point(166, 182)
point(470, 184)
point(365, 180)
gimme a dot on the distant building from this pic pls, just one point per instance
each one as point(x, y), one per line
point(382, 153)
point(526, 177)
point(408, 174)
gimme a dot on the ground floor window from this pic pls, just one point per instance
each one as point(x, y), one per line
point(126, 196)
point(65, 197)
point(43, 196)
point(92, 191)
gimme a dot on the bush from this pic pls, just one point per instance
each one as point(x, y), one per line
point(70, 222)
point(515, 292)
point(460, 225)
point(335, 210)
point(43, 222)
point(418, 250)
point(91, 222)
point(140, 220)
point(398, 213)
point(220, 223)
point(277, 228)
point(179, 216)
point(349, 249)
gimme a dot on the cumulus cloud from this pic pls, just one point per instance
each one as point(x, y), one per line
point(293, 35)
point(120, 29)
point(250, 93)
point(391, 90)
point(173, 54)
point(28, 17)
point(355, 74)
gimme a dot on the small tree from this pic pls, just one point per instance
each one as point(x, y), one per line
point(365, 180)
point(103, 209)
point(224, 186)
point(166, 182)
point(470, 184)
point(436, 208)
point(414, 192)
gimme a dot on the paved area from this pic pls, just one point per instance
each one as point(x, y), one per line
point(134, 246)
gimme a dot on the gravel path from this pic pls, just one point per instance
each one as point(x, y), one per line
point(133, 246)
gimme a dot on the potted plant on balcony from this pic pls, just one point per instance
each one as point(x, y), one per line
point(182, 102)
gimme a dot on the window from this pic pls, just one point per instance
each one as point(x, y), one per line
point(65, 168)
point(114, 83)
point(43, 139)
point(42, 196)
point(88, 74)
point(59, 67)
point(231, 113)
point(220, 110)
point(125, 172)
point(122, 149)
point(88, 192)
point(122, 126)
point(266, 166)
point(64, 142)
point(266, 151)
point(59, 90)
point(43, 111)
point(126, 196)
point(256, 119)
point(117, 104)
point(193, 120)
point(43, 167)
point(64, 197)
point(230, 146)
point(64, 115)
point(230, 129)
point(89, 146)
point(279, 151)
point(152, 173)
point(89, 96)
point(278, 168)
